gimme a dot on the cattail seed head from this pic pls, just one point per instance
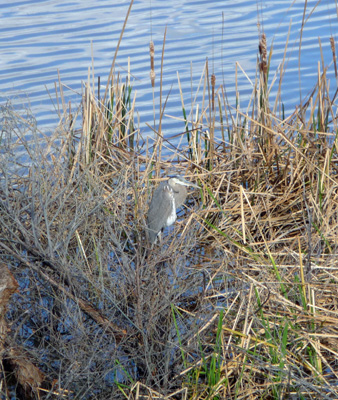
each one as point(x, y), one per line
point(263, 54)
point(213, 80)
point(213, 83)
point(152, 63)
point(333, 49)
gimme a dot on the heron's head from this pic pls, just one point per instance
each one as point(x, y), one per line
point(179, 180)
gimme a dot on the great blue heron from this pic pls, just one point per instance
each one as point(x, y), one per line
point(167, 197)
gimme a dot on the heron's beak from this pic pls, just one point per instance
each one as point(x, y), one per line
point(194, 186)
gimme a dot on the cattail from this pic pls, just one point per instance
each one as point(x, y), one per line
point(152, 68)
point(213, 83)
point(263, 54)
point(333, 48)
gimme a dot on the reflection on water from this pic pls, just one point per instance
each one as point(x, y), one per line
point(40, 38)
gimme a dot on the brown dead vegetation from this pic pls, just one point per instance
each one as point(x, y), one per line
point(239, 300)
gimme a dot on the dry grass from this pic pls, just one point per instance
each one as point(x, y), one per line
point(239, 301)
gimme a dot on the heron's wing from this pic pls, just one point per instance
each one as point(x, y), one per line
point(160, 209)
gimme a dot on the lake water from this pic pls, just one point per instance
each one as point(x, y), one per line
point(41, 37)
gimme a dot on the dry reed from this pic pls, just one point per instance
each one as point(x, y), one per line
point(239, 301)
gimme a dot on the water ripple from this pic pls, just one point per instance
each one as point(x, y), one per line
point(40, 37)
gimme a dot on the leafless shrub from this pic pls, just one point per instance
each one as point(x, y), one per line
point(240, 297)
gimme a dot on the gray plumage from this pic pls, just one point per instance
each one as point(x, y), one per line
point(167, 198)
